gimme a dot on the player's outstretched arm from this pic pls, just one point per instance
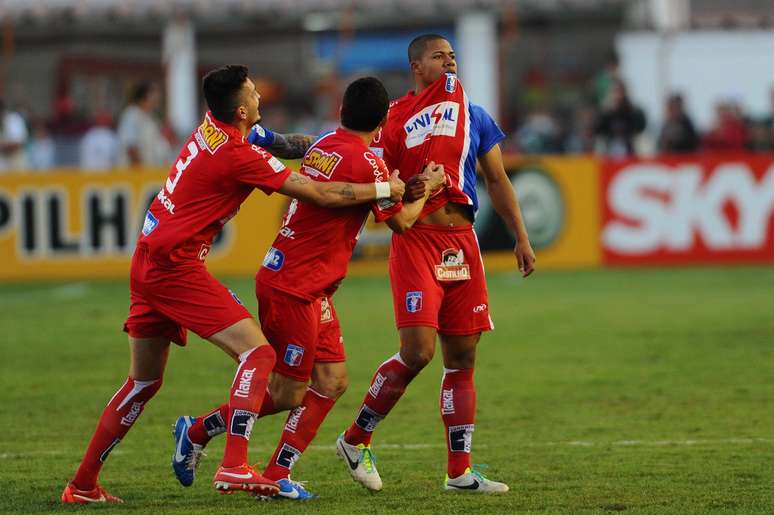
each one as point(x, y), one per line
point(284, 146)
point(433, 177)
point(290, 146)
point(340, 194)
point(506, 204)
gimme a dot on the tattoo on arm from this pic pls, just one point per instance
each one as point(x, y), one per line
point(347, 192)
point(290, 146)
point(298, 178)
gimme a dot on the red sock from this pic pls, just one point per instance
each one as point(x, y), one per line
point(214, 422)
point(386, 388)
point(458, 411)
point(116, 420)
point(247, 392)
point(300, 429)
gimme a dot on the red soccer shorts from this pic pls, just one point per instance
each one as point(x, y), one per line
point(438, 280)
point(302, 333)
point(165, 301)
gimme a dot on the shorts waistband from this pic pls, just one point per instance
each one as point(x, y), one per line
point(442, 228)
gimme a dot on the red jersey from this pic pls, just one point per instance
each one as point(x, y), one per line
point(439, 124)
point(214, 173)
point(309, 257)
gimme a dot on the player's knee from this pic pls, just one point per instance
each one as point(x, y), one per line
point(417, 358)
point(331, 387)
point(286, 393)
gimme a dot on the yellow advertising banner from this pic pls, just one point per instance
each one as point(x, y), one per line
point(559, 198)
point(75, 225)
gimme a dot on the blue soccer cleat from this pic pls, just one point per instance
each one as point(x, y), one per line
point(187, 454)
point(291, 490)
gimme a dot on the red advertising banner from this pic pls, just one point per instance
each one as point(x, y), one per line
point(688, 210)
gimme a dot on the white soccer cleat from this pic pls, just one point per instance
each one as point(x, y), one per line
point(474, 481)
point(361, 463)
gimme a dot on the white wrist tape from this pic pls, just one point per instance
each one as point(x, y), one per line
point(382, 190)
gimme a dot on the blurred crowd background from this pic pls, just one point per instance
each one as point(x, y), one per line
point(99, 84)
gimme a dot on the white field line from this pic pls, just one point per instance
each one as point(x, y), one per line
point(394, 446)
point(68, 291)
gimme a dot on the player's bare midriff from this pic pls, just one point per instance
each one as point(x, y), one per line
point(449, 215)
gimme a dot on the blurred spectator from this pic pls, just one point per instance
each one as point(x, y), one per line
point(66, 127)
point(140, 141)
point(729, 134)
point(540, 134)
point(767, 126)
point(678, 135)
point(607, 78)
point(41, 150)
point(580, 139)
point(99, 146)
point(13, 137)
point(619, 122)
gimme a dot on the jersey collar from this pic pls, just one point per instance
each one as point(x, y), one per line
point(229, 129)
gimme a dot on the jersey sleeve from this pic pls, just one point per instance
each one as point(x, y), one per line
point(489, 132)
point(369, 167)
point(259, 169)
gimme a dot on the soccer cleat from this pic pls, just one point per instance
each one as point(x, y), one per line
point(361, 463)
point(474, 481)
point(73, 495)
point(289, 489)
point(229, 480)
point(187, 454)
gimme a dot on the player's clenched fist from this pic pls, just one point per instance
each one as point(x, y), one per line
point(415, 189)
point(397, 186)
point(434, 176)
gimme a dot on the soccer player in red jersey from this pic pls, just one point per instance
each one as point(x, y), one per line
point(436, 272)
point(300, 273)
point(171, 290)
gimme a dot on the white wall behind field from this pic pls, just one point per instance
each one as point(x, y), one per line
point(706, 66)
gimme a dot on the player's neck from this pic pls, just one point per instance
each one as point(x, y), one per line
point(420, 87)
point(242, 127)
point(366, 137)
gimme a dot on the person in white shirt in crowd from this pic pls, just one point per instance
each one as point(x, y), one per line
point(13, 137)
point(41, 149)
point(141, 142)
point(98, 150)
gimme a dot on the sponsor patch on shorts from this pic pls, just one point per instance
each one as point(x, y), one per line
point(293, 355)
point(414, 301)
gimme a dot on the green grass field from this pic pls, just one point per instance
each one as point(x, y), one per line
point(647, 391)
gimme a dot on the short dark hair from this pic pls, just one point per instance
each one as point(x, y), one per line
point(418, 45)
point(365, 104)
point(221, 88)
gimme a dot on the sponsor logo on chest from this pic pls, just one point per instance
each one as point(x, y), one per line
point(434, 120)
point(452, 267)
point(320, 163)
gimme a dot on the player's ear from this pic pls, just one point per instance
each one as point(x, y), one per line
point(241, 113)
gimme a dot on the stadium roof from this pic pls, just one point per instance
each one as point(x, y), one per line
point(85, 11)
